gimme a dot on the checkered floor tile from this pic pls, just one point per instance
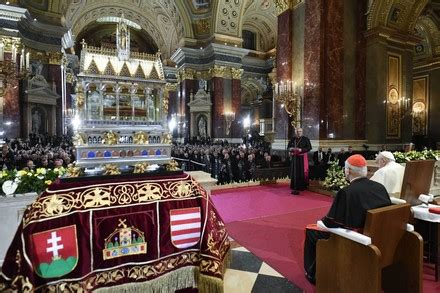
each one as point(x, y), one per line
point(247, 273)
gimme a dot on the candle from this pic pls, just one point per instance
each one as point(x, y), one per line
point(14, 53)
point(22, 60)
point(1, 52)
point(27, 61)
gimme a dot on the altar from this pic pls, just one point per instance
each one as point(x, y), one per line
point(128, 232)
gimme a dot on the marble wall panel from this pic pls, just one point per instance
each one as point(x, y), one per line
point(236, 103)
point(218, 107)
point(12, 110)
point(360, 73)
point(334, 66)
point(314, 106)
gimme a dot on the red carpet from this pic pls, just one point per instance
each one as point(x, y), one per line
point(270, 222)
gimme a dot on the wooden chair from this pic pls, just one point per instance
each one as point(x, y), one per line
point(392, 262)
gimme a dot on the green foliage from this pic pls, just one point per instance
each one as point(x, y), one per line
point(415, 155)
point(31, 180)
point(335, 178)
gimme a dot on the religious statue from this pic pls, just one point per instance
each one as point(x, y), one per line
point(141, 137)
point(109, 137)
point(79, 139)
point(202, 84)
point(202, 126)
point(36, 121)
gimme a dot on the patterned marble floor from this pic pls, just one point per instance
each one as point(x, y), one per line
point(247, 273)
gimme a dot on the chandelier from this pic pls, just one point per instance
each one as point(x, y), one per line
point(286, 93)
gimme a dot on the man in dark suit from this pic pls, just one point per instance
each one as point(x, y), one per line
point(349, 208)
point(319, 164)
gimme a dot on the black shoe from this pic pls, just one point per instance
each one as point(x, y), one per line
point(295, 192)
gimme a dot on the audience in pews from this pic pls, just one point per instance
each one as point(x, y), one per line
point(225, 162)
point(37, 151)
point(348, 210)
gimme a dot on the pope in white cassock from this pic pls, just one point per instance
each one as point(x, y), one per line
point(390, 173)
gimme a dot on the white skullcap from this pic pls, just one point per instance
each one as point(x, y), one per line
point(388, 155)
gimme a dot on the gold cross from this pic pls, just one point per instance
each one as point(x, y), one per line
point(122, 223)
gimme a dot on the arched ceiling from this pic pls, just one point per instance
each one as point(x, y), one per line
point(104, 34)
point(160, 19)
point(398, 14)
point(260, 17)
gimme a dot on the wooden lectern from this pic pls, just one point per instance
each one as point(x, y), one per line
point(392, 262)
point(416, 180)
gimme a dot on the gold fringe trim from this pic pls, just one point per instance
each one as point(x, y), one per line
point(182, 278)
point(208, 284)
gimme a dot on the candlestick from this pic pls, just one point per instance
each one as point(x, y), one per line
point(14, 53)
point(27, 61)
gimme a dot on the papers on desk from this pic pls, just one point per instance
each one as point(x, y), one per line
point(421, 212)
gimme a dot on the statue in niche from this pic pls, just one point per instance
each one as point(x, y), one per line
point(36, 121)
point(202, 84)
point(201, 125)
point(37, 67)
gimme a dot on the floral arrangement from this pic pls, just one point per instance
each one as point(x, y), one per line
point(415, 155)
point(31, 180)
point(335, 178)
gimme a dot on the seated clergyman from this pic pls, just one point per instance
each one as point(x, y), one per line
point(349, 208)
point(390, 174)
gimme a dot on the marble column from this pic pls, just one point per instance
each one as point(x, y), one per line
point(54, 75)
point(284, 68)
point(11, 109)
point(334, 67)
point(360, 75)
point(323, 68)
point(236, 130)
point(314, 107)
point(188, 87)
point(218, 130)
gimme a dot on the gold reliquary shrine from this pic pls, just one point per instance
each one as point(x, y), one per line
point(118, 115)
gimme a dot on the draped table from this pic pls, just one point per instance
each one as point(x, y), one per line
point(135, 233)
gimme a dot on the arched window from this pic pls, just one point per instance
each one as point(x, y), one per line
point(249, 40)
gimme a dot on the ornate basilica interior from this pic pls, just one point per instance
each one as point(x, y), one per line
point(348, 72)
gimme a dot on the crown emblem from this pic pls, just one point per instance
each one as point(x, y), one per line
point(124, 241)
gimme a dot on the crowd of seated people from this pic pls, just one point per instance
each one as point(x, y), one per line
point(36, 151)
point(225, 162)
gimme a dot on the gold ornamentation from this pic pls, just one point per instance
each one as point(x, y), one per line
point(166, 138)
point(111, 169)
point(283, 5)
point(141, 137)
point(188, 73)
point(78, 198)
point(128, 241)
point(236, 73)
point(140, 168)
point(148, 192)
point(96, 197)
point(219, 71)
point(73, 171)
point(203, 26)
point(165, 102)
point(55, 58)
point(172, 87)
point(172, 166)
point(79, 139)
point(393, 96)
point(110, 137)
point(54, 205)
point(79, 97)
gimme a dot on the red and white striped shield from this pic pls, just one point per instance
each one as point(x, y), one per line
point(185, 227)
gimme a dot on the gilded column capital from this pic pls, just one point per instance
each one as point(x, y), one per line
point(219, 71)
point(56, 58)
point(187, 73)
point(283, 5)
point(236, 73)
point(172, 87)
